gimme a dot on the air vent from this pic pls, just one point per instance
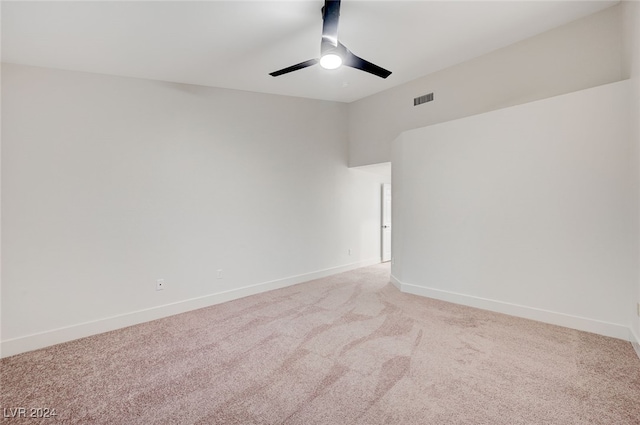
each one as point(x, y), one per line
point(423, 99)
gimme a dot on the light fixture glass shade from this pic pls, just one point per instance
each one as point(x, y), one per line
point(330, 61)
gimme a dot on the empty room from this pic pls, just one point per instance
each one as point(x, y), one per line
point(320, 212)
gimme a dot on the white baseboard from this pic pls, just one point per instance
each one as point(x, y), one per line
point(635, 341)
point(56, 336)
point(574, 322)
point(396, 283)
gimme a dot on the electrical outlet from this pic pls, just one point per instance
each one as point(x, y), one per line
point(349, 251)
point(638, 309)
point(160, 284)
point(219, 274)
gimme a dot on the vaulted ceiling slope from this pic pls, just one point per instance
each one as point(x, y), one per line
point(235, 44)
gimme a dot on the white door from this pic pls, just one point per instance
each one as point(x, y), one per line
point(386, 222)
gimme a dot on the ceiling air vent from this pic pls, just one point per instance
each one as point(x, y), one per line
point(422, 99)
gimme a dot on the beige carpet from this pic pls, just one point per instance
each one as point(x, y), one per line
point(349, 349)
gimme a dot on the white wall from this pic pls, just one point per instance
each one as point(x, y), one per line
point(527, 210)
point(579, 55)
point(631, 69)
point(110, 183)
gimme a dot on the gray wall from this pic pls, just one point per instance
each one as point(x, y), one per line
point(582, 54)
point(110, 183)
point(631, 69)
point(528, 210)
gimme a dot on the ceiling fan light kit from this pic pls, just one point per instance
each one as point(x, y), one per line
point(331, 61)
point(334, 54)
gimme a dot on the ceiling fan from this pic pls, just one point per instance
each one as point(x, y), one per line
point(333, 54)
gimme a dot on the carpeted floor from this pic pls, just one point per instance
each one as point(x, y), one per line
point(348, 349)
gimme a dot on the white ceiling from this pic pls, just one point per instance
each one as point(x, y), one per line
point(235, 44)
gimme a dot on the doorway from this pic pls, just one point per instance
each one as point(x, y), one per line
point(386, 222)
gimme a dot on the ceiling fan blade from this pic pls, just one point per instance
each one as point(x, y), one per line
point(330, 17)
point(356, 62)
point(296, 67)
